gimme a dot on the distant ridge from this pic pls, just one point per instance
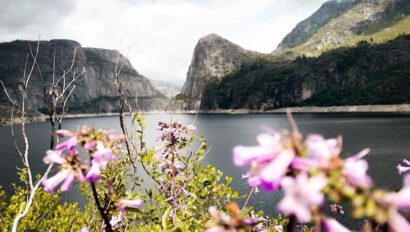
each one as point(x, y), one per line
point(95, 92)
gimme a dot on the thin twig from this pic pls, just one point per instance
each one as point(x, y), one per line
point(248, 198)
point(13, 102)
point(29, 201)
point(103, 214)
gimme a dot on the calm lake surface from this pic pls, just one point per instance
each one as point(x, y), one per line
point(387, 135)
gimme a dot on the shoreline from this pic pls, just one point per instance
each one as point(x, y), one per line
point(397, 108)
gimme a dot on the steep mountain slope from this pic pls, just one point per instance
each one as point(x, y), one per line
point(353, 20)
point(366, 74)
point(308, 27)
point(214, 57)
point(95, 92)
point(223, 75)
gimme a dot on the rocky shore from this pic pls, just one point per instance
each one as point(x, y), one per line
point(400, 108)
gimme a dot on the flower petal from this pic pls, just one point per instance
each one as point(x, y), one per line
point(331, 225)
point(52, 182)
point(53, 157)
point(244, 156)
point(93, 174)
point(68, 182)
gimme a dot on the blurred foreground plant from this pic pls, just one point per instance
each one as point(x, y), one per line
point(311, 171)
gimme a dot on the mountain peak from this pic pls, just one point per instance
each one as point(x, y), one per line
point(340, 23)
point(211, 37)
point(214, 41)
point(214, 57)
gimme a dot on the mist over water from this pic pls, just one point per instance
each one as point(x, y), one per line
point(387, 135)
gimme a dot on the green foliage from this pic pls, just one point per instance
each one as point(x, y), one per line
point(366, 74)
point(47, 213)
point(203, 184)
point(172, 201)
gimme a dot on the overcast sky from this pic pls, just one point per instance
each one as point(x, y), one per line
point(158, 36)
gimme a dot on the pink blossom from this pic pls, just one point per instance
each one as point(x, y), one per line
point(115, 220)
point(272, 173)
point(89, 145)
point(319, 154)
point(64, 133)
point(85, 229)
point(68, 172)
point(355, 170)
point(331, 225)
point(129, 204)
point(100, 159)
point(337, 208)
point(401, 199)
point(218, 229)
point(68, 145)
point(269, 161)
point(52, 182)
point(53, 157)
point(321, 149)
point(244, 156)
point(301, 195)
point(398, 222)
point(93, 175)
point(402, 169)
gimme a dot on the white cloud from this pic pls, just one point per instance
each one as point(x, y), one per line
point(158, 36)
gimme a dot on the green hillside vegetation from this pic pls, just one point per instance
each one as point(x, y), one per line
point(390, 19)
point(365, 74)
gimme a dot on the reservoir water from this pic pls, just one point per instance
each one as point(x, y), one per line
point(387, 135)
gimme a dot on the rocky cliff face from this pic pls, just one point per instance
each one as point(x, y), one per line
point(95, 91)
point(308, 27)
point(363, 75)
point(224, 76)
point(341, 23)
point(214, 57)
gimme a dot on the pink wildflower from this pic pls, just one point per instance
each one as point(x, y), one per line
point(68, 145)
point(398, 222)
point(301, 195)
point(129, 204)
point(331, 225)
point(335, 208)
point(69, 171)
point(64, 133)
point(355, 170)
point(85, 229)
point(401, 199)
point(402, 169)
point(100, 159)
point(269, 161)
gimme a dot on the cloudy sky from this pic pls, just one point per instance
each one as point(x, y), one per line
point(158, 36)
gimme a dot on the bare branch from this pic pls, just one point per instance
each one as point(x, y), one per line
point(27, 79)
point(29, 201)
point(8, 96)
point(13, 136)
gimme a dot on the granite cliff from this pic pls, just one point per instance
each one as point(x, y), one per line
point(214, 57)
point(95, 91)
point(345, 53)
point(339, 23)
point(364, 75)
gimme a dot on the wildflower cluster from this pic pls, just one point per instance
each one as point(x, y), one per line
point(103, 149)
point(98, 144)
point(173, 184)
point(310, 171)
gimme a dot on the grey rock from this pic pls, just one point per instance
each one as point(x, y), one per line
point(95, 91)
point(214, 57)
point(305, 29)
